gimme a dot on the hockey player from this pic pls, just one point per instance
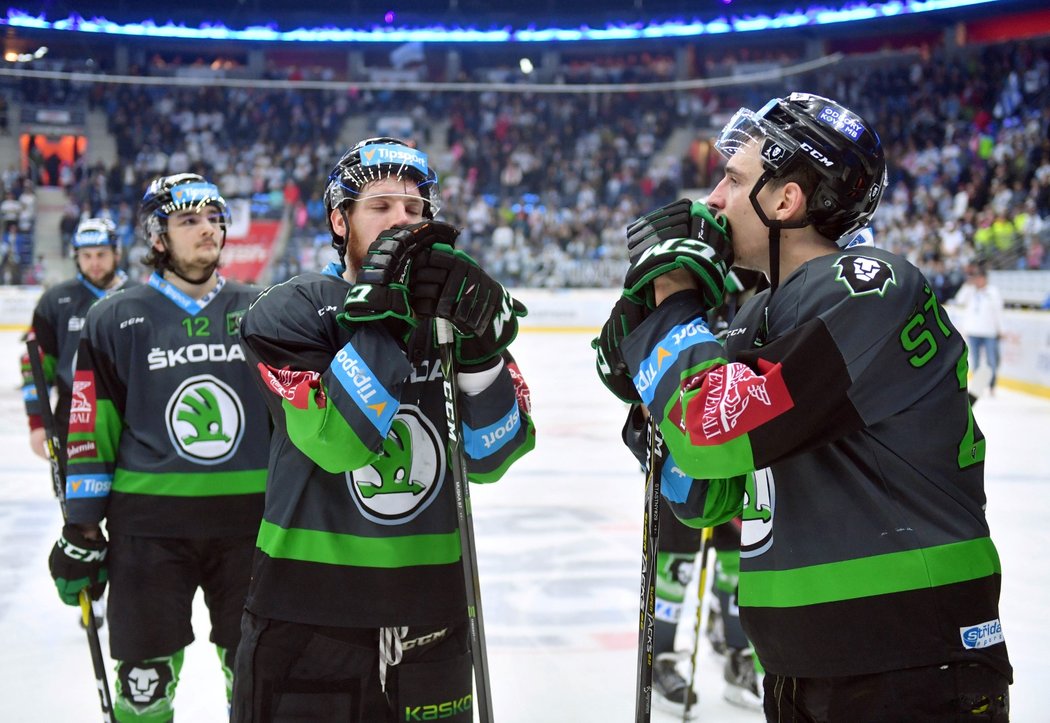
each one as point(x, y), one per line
point(357, 607)
point(167, 445)
point(59, 317)
point(834, 417)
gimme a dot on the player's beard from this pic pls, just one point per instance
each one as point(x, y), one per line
point(193, 271)
point(104, 280)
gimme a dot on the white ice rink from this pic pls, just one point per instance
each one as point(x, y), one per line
point(559, 541)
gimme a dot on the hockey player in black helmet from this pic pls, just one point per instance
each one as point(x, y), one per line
point(178, 195)
point(357, 608)
point(833, 417)
point(167, 449)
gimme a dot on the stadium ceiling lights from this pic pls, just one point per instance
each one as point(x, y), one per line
point(814, 15)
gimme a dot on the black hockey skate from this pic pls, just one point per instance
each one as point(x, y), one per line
point(743, 687)
point(670, 688)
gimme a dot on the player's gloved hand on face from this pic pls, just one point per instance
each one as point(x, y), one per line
point(701, 256)
point(448, 284)
point(680, 219)
point(380, 292)
point(77, 563)
point(612, 369)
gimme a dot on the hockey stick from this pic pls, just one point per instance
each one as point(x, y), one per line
point(647, 603)
point(54, 445)
point(468, 552)
point(705, 547)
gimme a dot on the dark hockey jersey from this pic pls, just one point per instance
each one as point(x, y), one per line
point(57, 321)
point(360, 527)
point(842, 408)
point(168, 435)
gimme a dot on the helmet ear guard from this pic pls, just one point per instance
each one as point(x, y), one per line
point(372, 160)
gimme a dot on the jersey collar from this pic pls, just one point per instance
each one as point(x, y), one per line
point(183, 301)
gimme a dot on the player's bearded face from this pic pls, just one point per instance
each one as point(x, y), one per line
point(98, 265)
point(383, 204)
point(194, 241)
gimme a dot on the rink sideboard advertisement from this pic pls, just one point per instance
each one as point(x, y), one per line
point(1025, 346)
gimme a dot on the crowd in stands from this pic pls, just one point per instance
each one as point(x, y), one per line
point(544, 184)
point(17, 220)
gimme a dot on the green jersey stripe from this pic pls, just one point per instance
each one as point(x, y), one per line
point(183, 484)
point(336, 548)
point(869, 576)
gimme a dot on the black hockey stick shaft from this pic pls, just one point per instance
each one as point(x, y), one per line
point(705, 548)
point(54, 446)
point(647, 602)
point(52, 443)
point(468, 550)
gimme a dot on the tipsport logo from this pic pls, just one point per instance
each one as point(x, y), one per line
point(193, 193)
point(383, 154)
point(205, 420)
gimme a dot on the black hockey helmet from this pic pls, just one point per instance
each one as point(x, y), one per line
point(94, 232)
point(843, 149)
point(371, 160)
point(180, 192)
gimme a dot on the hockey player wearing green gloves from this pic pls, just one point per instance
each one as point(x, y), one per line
point(834, 418)
point(57, 322)
point(167, 447)
point(357, 609)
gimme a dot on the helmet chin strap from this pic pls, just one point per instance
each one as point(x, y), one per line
point(775, 227)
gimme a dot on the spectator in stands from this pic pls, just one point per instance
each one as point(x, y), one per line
point(982, 323)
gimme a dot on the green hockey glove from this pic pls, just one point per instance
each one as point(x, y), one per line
point(612, 369)
point(380, 293)
point(701, 256)
point(77, 563)
point(448, 284)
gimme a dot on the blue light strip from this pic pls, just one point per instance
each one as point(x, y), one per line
point(814, 15)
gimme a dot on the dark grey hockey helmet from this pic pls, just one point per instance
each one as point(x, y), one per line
point(838, 145)
point(93, 232)
point(371, 160)
point(180, 192)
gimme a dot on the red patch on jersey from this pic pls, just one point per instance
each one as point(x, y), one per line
point(80, 450)
point(82, 407)
point(295, 386)
point(521, 389)
point(733, 400)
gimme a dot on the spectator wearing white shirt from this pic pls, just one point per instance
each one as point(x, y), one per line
point(981, 322)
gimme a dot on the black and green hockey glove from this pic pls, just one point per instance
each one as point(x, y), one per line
point(448, 284)
point(77, 563)
point(381, 293)
point(612, 369)
point(680, 219)
point(702, 256)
